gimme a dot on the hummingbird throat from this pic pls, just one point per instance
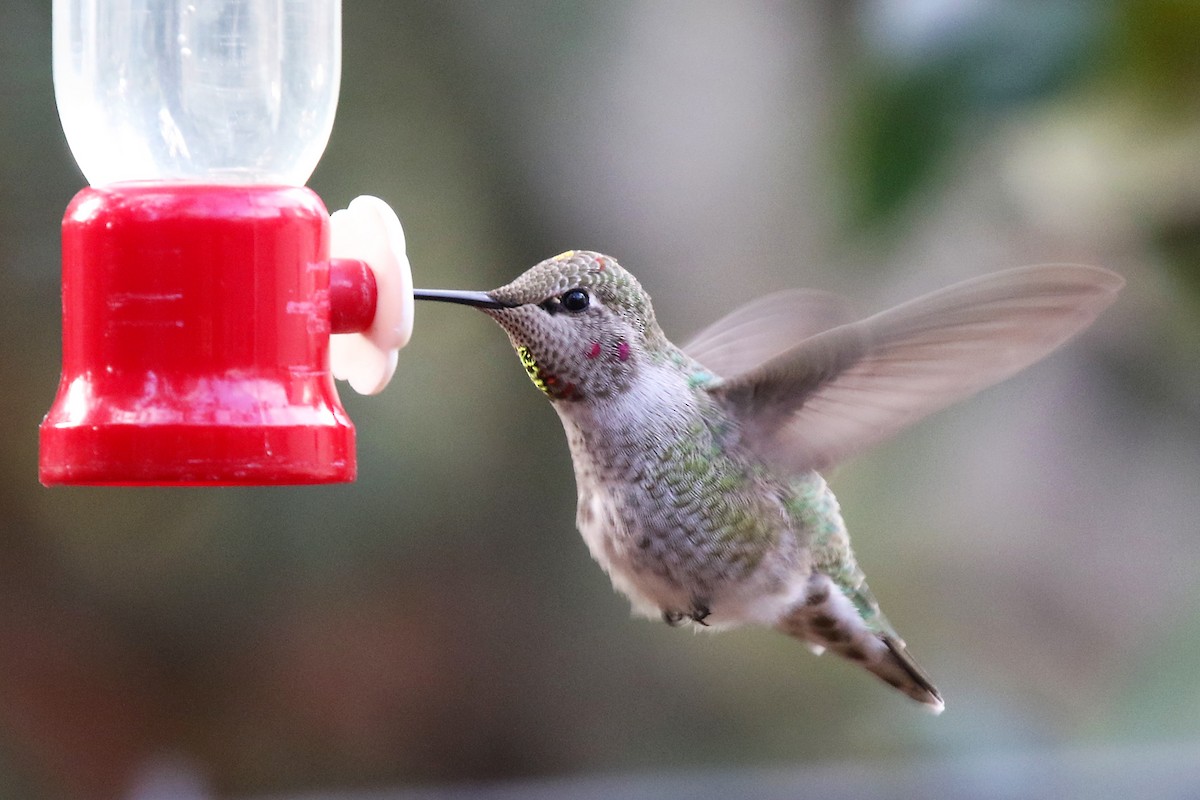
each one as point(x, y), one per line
point(546, 382)
point(531, 368)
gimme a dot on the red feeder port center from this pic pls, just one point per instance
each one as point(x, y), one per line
point(196, 323)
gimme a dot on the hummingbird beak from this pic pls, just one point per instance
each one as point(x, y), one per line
point(477, 299)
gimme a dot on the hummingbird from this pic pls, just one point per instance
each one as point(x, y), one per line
point(698, 468)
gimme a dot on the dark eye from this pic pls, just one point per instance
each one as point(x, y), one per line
point(575, 300)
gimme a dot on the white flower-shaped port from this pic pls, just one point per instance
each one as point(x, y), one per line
point(368, 230)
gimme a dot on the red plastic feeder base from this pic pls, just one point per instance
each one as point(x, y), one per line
point(196, 324)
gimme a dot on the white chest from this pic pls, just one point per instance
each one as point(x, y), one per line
point(612, 538)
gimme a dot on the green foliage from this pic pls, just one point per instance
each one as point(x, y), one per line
point(918, 103)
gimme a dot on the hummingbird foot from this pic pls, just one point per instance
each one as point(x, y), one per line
point(698, 614)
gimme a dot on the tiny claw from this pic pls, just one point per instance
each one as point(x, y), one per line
point(699, 614)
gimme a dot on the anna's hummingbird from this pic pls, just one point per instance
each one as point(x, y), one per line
point(697, 467)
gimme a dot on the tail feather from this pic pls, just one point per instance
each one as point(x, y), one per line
point(827, 618)
point(914, 681)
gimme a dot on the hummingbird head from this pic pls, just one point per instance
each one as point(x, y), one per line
point(580, 323)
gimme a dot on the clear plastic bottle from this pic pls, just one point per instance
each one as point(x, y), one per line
point(209, 91)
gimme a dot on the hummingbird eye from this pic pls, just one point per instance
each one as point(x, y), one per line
point(575, 300)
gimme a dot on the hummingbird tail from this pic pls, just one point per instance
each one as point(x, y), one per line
point(827, 619)
point(900, 666)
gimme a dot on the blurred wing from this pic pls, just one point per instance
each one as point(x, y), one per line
point(848, 388)
point(766, 327)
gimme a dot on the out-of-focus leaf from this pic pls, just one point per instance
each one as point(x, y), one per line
point(1152, 47)
point(1179, 241)
point(903, 130)
point(927, 89)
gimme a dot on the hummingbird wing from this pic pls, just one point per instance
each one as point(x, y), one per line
point(843, 390)
point(763, 328)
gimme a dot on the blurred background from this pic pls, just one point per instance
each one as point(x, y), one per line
point(437, 628)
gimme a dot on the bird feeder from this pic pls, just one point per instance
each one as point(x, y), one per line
point(204, 287)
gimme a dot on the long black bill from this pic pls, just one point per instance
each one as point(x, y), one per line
point(477, 299)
